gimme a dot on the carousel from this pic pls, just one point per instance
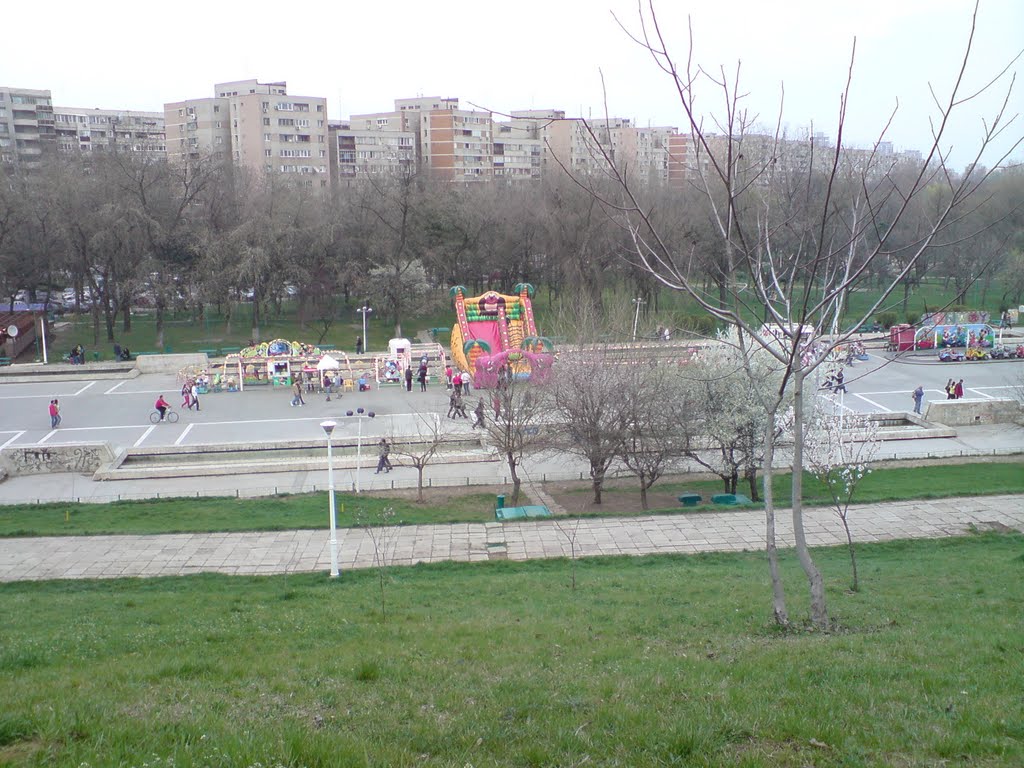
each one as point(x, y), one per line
point(281, 363)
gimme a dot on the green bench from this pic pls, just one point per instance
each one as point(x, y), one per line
point(210, 352)
point(5, 361)
point(435, 332)
point(690, 499)
point(230, 350)
point(730, 499)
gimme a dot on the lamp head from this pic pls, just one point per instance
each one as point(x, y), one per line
point(360, 411)
point(328, 427)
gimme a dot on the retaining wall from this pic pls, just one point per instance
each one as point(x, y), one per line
point(84, 458)
point(170, 363)
point(966, 412)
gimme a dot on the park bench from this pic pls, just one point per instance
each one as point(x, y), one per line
point(210, 352)
point(690, 499)
point(5, 361)
point(730, 499)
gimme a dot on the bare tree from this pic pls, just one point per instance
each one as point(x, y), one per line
point(658, 423)
point(840, 448)
point(586, 394)
point(518, 428)
point(421, 449)
point(800, 231)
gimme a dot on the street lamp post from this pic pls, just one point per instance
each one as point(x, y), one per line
point(360, 414)
point(636, 315)
point(364, 311)
point(328, 428)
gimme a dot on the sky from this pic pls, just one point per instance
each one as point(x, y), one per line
point(544, 54)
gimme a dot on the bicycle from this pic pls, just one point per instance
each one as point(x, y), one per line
point(172, 416)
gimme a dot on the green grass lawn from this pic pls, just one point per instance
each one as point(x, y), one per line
point(178, 515)
point(273, 513)
point(652, 661)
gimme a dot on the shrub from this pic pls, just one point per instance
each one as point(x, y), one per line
point(888, 319)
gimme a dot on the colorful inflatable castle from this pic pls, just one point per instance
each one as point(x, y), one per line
point(495, 336)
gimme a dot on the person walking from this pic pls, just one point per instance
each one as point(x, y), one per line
point(451, 405)
point(465, 382)
point(408, 378)
point(478, 413)
point(950, 390)
point(186, 395)
point(422, 378)
point(958, 390)
point(297, 393)
point(840, 384)
point(918, 396)
point(448, 377)
point(460, 408)
point(54, 414)
point(359, 345)
point(194, 393)
point(383, 456)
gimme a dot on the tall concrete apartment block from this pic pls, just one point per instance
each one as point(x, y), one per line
point(254, 125)
point(373, 144)
point(110, 130)
point(27, 132)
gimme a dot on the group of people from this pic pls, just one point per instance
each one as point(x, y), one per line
point(457, 380)
point(190, 394)
point(954, 390)
point(77, 355)
point(835, 382)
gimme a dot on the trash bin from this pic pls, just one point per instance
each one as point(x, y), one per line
point(499, 502)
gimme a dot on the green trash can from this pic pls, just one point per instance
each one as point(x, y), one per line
point(499, 503)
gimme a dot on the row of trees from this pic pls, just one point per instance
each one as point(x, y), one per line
point(124, 229)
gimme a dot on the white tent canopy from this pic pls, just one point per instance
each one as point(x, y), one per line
point(327, 363)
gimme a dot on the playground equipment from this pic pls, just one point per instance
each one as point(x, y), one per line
point(495, 337)
point(389, 368)
point(280, 362)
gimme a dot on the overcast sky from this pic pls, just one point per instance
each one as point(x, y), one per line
point(530, 54)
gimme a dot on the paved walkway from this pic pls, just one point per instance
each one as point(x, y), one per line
point(77, 557)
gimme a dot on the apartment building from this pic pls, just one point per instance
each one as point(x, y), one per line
point(518, 153)
point(27, 132)
point(254, 125)
point(373, 144)
point(457, 145)
point(110, 130)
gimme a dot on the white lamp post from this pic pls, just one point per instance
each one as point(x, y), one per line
point(636, 315)
point(360, 414)
point(364, 311)
point(328, 427)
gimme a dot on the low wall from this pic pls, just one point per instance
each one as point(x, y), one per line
point(84, 458)
point(965, 412)
point(170, 363)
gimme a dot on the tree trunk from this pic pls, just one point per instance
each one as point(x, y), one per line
point(819, 610)
point(853, 553)
point(643, 493)
point(597, 482)
point(516, 482)
point(255, 330)
point(159, 325)
point(126, 317)
point(419, 482)
point(751, 474)
point(767, 471)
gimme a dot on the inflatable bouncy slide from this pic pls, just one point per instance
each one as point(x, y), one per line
point(495, 337)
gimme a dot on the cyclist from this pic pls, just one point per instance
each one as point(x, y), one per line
point(162, 406)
